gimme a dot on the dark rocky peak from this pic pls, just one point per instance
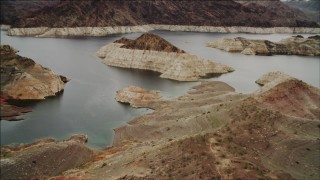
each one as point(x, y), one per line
point(317, 37)
point(99, 13)
point(149, 41)
point(6, 50)
point(124, 40)
point(7, 53)
point(298, 36)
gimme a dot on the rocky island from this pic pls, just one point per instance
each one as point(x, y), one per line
point(211, 132)
point(23, 79)
point(295, 45)
point(151, 52)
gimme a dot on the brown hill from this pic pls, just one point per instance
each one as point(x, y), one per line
point(294, 98)
point(81, 13)
point(149, 41)
point(215, 133)
point(44, 158)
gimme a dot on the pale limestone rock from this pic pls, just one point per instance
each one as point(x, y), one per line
point(296, 45)
point(104, 31)
point(171, 65)
point(77, 31)
point(4, 26)
point(136, 96)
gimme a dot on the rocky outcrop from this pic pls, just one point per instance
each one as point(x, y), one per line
point(214, 132)
point(69, 13)
point(23, 79)
point(137, 97)
point(150, 42)
point(108, 30)
point(294, 97)
point(271, 79)
point(44, 158)
point(10, 112)
point(295, 45)
point(158, 55)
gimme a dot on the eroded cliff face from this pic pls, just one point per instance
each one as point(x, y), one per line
point(214, 132)
point(156, 54)
point(87, 13)
point(296, 45)
point(23, 79)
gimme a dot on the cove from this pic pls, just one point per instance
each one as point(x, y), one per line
point(87, 105)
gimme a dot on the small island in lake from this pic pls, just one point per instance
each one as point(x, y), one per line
point(295, 45)
point(151, 52)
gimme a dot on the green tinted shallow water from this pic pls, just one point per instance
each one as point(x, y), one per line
point(87, 105)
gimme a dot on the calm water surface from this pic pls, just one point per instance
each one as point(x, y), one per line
point(87, 105)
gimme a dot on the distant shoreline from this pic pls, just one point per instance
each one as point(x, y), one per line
point(104, 31)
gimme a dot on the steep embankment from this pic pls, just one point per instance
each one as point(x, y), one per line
point(151, 52)
point(214, 132)
point(296, 45)
point(99, 18)
point(23, 79)
point(100, 13)
point(309, 8)
point(13, 11)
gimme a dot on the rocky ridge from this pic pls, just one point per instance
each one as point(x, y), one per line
point(44, 158)
point(295, 45)
point(214, 132)
point(23, 79)
point(69, 13)
point(156, 54)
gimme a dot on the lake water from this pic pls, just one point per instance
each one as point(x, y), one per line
point(87, 105)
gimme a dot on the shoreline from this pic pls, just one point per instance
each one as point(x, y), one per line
point(104, 31)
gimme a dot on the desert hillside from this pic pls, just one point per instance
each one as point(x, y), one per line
point(212, 132)
point(123, 13)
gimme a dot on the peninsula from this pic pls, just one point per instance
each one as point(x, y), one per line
point(211, 132)
point(23, 79)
